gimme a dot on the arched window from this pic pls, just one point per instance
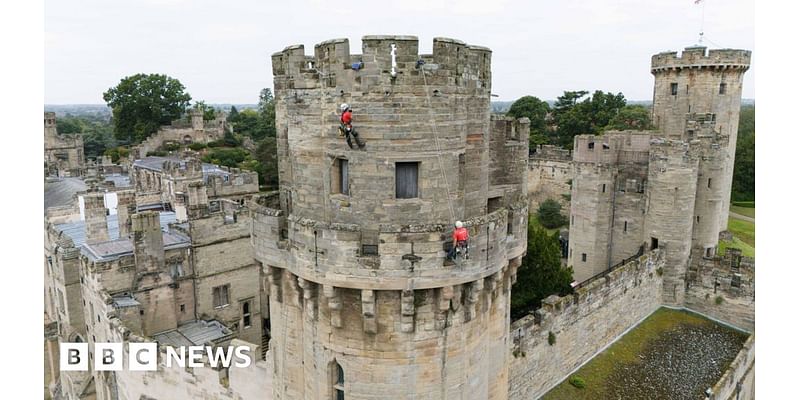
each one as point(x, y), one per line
point(337, 378)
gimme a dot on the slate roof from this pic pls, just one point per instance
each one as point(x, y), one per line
point(195, 333)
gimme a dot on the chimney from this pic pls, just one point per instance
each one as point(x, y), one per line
point(148, 242)
point(197, 199)
point(94, 211)
point(126, 205)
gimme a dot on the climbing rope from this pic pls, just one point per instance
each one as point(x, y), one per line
point(438, 148)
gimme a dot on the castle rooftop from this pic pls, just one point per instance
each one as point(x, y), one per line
point(118, 247)
point(194, 333)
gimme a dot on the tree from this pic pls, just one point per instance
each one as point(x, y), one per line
point(535, 110)
point(744, 164)
point(233, 115)
point(266, 106)
point(549, 214)
point(589, 116)
point(69, 125)
point(540, 274)
point(209, 113)
point(267, 156)
point(143, 102)
point(634, 117)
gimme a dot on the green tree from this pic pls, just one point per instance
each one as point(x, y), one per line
point(69, 125)
point(250, 123)
point(233, 115)
point(267, 156)
point(549, 214)
point(209, 113)
point(540, 274)
point(634, 117)
point(744, 165)
point(141, 103)
point(589, 116)
point(266, 106)
point(535, 110)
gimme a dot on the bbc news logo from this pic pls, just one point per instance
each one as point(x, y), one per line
point(144, 356)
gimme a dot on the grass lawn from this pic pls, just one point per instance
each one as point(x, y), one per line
point(746, 211)
point(744, 232)
point(602, 373)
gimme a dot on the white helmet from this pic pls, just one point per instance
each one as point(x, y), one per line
point(344, 107)
point(459, 224)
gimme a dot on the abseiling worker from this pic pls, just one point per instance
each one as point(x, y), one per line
point(347, 125)
point(460, 240)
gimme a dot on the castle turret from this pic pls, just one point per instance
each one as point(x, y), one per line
point(355, 251)
point(607, 200)
point(671, 190)
point(701, 81)
point(711, 147)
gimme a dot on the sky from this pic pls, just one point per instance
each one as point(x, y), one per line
point(221, 50)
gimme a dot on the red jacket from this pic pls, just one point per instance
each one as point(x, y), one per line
point(460, 235)
point(347, 117)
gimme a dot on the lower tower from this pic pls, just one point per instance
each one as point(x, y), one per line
point(363, 300)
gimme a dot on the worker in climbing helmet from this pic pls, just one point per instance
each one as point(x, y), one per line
point(460, 241)
point(347, 125)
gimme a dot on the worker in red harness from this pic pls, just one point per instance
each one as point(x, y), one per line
point(346, 127)
point(460, 241)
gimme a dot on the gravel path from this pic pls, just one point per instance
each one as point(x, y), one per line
point(680, 364)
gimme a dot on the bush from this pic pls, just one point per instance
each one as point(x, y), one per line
point(549, 214)
point(197, 146)
point(216, 143)
point(229, 157)
point(156, 153)
point(577, 381)
point(718, 300)
point(551, 338)
point(660, 271)
point(170, 146)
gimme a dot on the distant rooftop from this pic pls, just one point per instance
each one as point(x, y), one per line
point(116, 246)
point(60, 192)
point(154, 163)
point(195, 333)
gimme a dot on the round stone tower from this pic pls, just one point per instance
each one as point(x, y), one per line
point(671, 189)
point(362, 300)
point(701, 81)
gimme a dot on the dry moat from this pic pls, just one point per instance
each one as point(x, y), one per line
point(670, 355)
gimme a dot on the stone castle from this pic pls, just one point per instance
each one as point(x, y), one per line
point(339, 281)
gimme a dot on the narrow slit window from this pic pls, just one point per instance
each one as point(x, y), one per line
point(673, 88)
point(406, 180)
point(722, 88)
point(246, 316)
point(583, 257)
point(340, 182)
point(709, 183)
point(338, 381)
point(604, 188)
point(625, 227)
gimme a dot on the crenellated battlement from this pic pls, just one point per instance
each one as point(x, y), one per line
point(701, 57)
point(384, 59)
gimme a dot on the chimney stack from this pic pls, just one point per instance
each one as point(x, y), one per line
point(126, 205)
point(94, 211)
point(148, 242)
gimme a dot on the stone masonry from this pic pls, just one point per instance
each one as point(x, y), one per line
point(63, 154)
point(357, 276)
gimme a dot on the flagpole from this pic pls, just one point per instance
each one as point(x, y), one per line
point(702, 18)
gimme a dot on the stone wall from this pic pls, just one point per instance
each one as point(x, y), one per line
point(582, 324)
point(738, 381)
point(723, 288)
point(549, 176)
point(63, 154)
